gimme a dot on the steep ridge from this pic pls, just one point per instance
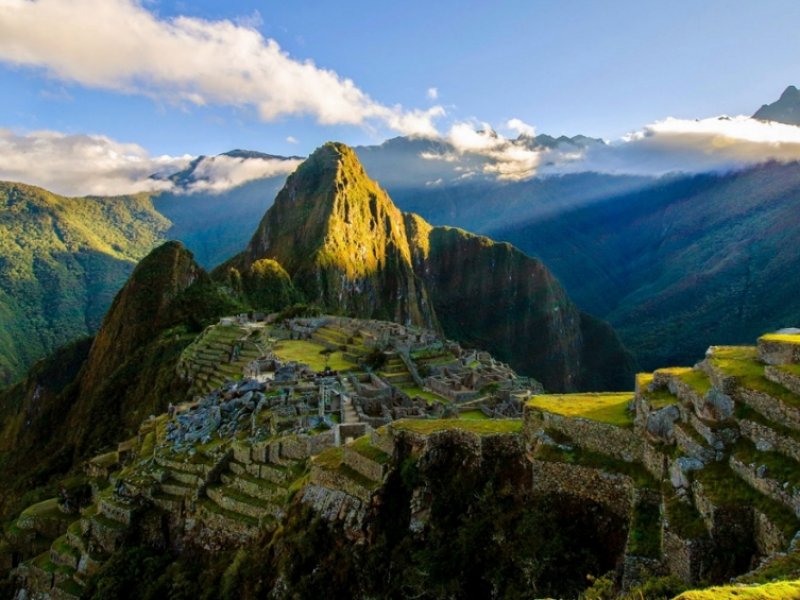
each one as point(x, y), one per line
point(349, 249)
point(61, 262)
point(85, 397)
point(342, 240)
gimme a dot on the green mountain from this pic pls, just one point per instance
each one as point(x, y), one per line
point(682, 262)
point(93, 393)
point(61, 262)
point(348, 248)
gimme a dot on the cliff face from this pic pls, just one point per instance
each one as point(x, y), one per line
point(492, 296)
point(348, 248)
point(342, 241)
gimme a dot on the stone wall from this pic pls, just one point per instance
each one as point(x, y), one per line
point(366, 466)
point(337, 506)
point(686, 559)
point(333, 479)
point(781, 377)
point(766, 439)
point(768, 537)
point(614, 491)
point(790, 497)
point(770, 407)
point(618, 442)
point(779, 353)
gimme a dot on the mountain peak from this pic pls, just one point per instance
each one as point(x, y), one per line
point(784, 110)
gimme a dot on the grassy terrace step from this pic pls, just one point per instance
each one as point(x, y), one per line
point(742, 363)
point(44, 563)
point(726, 489)
point(254, 486)
point(656, 399)
point(364, 447)
point(595, 460)
point(71, 587)
point(233, 499)
point(62, 553)
point(488, 427)
point(210, 506)
point(332, 460)
point(611, 408)
point(779, 467)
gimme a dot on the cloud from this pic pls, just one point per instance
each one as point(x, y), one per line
point(521, 127)
point(688, 146)
point(433, 93)
point(81, 165)
point(291, 139)
point(119, 45)
point(77, 165)
point(478, 147)
point(217, 174)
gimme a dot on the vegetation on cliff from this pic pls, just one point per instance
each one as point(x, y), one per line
point(61, 262)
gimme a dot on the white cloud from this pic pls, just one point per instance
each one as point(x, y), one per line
point(77, 165)
point(217, 174)
point(81, 165)
point(481, 147)
point(521, 127)
point(433, 93)
point(689, 146)
point(291, 139)
point(119, 45)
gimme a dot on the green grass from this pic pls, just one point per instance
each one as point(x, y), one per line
point(645, 533)
point(363, 446)
point(427, 396)
point(726, 489)
point(780, 590)
point(310, 353)
point(742, 363)
point(487, 427)
point(778, 466)
point(785, 338)
point(684, 519)
point(791, 369)
point(697, 380)
point(611, 408)
point(330, 458)
point(476, 415)
point(48, 509)
point(786, 566)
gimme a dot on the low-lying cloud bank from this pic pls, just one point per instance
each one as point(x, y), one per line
point(668, 146)
point(118, 45)
point(687, 146)
point(80, 165)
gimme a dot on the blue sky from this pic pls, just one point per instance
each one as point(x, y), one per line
point(598, 68)
point(97, 95)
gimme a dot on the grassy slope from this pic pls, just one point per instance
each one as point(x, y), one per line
point(61, 262)
point(606, 408)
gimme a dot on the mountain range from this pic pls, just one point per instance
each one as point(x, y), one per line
point(82, 250)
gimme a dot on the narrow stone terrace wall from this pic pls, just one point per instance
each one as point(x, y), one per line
point(623, 444)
